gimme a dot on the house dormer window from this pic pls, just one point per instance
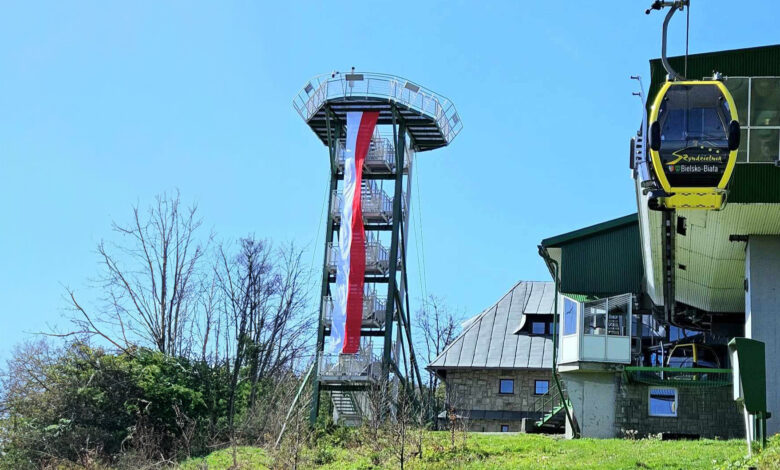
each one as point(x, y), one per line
point(539, 328)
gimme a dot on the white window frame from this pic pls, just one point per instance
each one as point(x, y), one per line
point(675, 406)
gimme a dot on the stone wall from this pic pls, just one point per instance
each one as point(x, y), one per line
point(475, 393)
point(704, 412)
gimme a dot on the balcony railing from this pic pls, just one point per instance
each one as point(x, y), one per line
point(380, 159)
point(328, 87)
point(377, 206)
point(373, 310)
point(377, 258)
point(363, 366)
point(679, 376)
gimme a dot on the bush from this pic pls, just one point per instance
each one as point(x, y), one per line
point(89, 404)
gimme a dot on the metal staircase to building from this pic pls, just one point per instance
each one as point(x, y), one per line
point(553, 409)
point(347, 408)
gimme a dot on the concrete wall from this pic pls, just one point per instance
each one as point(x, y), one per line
point(762, 313)
point(704, 412)
point(473, 391)
point(592, 395)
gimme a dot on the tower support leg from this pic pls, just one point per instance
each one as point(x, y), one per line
point(399, 137)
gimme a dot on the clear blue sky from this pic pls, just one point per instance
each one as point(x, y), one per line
point(103, 105)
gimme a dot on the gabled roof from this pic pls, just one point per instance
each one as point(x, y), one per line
point(488, 340)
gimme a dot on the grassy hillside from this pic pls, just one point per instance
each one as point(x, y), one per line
point(510, 451)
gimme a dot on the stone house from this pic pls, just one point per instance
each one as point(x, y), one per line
point(498, 371)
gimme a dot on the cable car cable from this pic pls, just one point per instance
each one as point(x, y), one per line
point(687, 31)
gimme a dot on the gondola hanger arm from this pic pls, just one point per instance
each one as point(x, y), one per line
point(674, 6)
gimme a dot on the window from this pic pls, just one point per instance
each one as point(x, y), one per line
point(595, 317)
point(506, 386)
point(663, 402)
point(504, 428)
point(541, 387)
point(765, 105)
point(758, 106)
point(763, 145)
point(539, 327)
point(569, 316)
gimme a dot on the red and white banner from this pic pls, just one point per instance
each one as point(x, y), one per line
point(351, 260)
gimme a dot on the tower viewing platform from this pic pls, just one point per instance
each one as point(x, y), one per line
point(431, 119)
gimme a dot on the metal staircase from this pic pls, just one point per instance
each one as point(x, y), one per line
point(552, 408)
point(345, 403)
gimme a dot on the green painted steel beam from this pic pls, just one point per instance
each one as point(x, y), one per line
point(399, 140)
point(325, 287)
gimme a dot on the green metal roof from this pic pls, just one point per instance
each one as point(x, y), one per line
point(751, 62)
point(601, 260)
point(578, 234)
point(751, 182)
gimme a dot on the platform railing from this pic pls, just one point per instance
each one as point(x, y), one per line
point(363, 366)
point(373, 310)
point(326, 87)
point(377, 206)
point(377, 258)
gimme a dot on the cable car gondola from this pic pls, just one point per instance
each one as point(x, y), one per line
point(693, 138)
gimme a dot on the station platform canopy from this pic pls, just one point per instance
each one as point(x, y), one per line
point(431, 119)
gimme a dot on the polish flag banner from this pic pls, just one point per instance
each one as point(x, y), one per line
point(351, 259)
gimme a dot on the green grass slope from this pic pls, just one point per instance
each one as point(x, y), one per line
point(246, 457)
point(509, 451)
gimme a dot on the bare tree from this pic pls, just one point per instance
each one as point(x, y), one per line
point(148, 279)
point(402, 425)
point(279, 331)
point(377, 406)
point(438, 327)
point(457, 413)
point(246, 283)
point(283, 413)
point(264, 301)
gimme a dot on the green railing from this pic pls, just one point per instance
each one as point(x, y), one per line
point(679, 376)
point(549, 405)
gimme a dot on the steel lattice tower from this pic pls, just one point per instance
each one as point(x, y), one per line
point(411, 119)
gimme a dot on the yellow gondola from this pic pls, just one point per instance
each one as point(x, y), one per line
point(694, 137)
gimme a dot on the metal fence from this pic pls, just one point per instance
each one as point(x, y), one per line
point(679, 376)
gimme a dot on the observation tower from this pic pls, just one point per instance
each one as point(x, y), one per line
point(373, 125)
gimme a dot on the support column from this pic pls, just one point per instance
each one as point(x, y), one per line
point(399, 138)
point(334, 133)
point(762, 312)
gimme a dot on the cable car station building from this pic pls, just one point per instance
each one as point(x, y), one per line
point(648, 302)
